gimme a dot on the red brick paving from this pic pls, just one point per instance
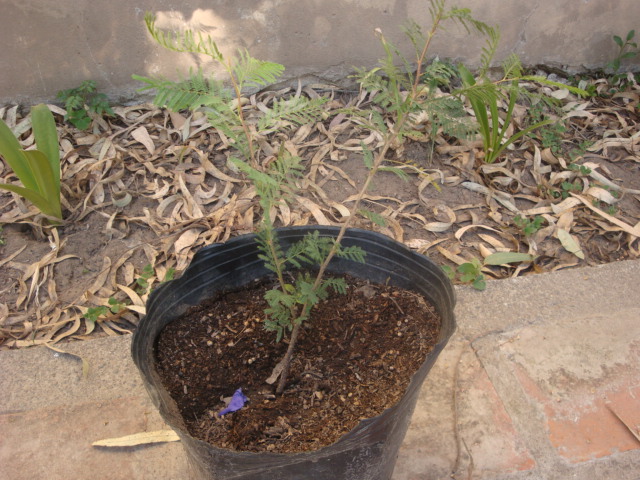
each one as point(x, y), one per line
point(487, 428)
point(583, 426)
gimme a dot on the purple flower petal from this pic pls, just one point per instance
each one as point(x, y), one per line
point(237, 402)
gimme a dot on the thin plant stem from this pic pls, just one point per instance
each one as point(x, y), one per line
point(423, 54)
point(377, 163)
point(243, 122)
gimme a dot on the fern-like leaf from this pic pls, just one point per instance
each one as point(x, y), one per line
point(374, 217)
point(191, 93)
point(395, 170)
point(449, 114)
point(185, 41)
point(251, 72)
point(353, 253)
point(336, 284)
point(297, 110)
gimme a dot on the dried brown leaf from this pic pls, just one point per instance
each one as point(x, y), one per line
point(145, 438)
point(142, 135)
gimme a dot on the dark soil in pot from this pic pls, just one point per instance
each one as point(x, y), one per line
point(354, 359)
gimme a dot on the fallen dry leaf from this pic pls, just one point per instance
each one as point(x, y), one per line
point(144, 438)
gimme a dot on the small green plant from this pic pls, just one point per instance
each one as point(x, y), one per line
point(485, 101)
point(468, 272)
point(551, 135)
point(81, 101)
point(291, 304)
point(627, 48)
point(2, 240)
point(471, 272)
point(612, 210)
point(579, 169)
point(38, 170)
point(528, 226)
point(485, 107)
point(115, 307)
point(567, 188)
point(142, 282)
point(614, 193)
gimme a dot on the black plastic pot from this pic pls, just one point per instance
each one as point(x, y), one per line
point(369, 451)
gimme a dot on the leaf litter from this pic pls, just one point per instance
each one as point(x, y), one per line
point(149, 187)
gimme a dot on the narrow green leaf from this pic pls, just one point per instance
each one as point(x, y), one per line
point(500, 258)
point(575, 90)
point(45, 181)
point(397, 171)
point(466, 75)
point(46, 135)
point(12, 152)
point(38, 200)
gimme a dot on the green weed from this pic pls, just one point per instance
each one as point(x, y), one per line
point(142, 282)
point(81, 101)
point(627, 49)
point(471, 272)
point(528, 226)
point(115, 307)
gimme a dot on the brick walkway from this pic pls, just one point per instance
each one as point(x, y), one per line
point(541, 381)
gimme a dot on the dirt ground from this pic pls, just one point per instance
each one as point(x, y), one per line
point(145, 189)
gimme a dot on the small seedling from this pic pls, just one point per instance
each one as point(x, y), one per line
point(528, 226)
point(115, 307)
point(471, 272)
point(81, 101)
point(579, 150)
point(627, 48)
point(614, 193)
point(580, 169)
point(468, 272)
point(566, 188)
point(2, 240)
point(609, 209)
point(551, 134)
point(569, 187)
point(142, 281)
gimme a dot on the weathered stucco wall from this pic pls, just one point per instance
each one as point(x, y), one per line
point(50, 45)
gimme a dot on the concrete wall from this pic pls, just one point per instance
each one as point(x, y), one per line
point(55, 44)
